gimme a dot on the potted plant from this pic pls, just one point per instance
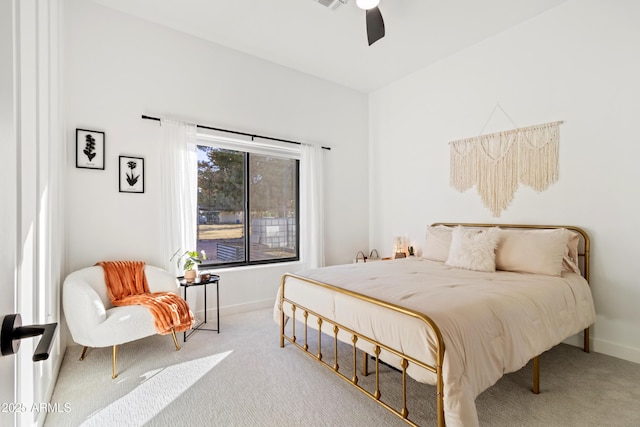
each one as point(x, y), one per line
point(189, 260)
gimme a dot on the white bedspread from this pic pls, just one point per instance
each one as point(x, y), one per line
point(491, 323)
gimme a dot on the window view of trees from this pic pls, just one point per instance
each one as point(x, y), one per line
point(225, 179)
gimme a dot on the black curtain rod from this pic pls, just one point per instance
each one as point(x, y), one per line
point(238, 133)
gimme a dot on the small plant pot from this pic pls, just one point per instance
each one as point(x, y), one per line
point(190, 275)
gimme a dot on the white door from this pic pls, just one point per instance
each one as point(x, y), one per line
point(8, 207)
point(31, 165)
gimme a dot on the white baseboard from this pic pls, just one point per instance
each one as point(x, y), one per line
point(575, 340)
point(250, 306)
point(230, 310)
point(616, 350)
point(596, 345)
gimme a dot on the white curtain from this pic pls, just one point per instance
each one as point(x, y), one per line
point(178, 183)
point(312, 205)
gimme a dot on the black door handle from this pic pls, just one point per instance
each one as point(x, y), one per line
point(12, 332)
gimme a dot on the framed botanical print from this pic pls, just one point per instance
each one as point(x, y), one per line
point(131, 174)
point(89, 149)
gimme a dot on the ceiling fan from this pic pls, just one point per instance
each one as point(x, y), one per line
point(375, 23)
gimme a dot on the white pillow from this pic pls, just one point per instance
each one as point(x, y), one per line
point(533, 251)
point(570, 259)
point(473, 249)
point(438, 241)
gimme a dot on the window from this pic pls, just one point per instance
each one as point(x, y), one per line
point(248, 206)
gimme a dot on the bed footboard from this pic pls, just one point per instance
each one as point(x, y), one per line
point(357, 338)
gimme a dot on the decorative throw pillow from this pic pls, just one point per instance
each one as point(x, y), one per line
point(438, 241)
point(473, 249)
point(533, 251)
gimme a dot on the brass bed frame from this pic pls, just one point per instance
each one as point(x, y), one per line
point(583, 253)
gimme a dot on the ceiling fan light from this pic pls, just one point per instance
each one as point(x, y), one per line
point(367, 4)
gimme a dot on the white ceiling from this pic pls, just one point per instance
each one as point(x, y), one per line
point(332, 44)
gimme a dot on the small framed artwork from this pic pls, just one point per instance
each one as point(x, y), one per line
point(131, 173)
point(89, 149)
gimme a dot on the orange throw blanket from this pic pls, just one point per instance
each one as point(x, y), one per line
point(127, 285)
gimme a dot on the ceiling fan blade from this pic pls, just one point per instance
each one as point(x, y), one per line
point(375, 25)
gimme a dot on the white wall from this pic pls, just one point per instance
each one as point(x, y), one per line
point(120, 67)
point(579, 63)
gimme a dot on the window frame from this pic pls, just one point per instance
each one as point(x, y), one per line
point(248, 148)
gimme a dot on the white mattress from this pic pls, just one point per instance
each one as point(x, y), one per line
point(491, 323)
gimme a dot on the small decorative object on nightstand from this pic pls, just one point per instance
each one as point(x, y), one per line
point(191, 259)
point(398, 243)
point(373, 256)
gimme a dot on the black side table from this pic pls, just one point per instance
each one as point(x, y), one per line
point(213, 279)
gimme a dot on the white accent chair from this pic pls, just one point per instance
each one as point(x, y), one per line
point(94, 322)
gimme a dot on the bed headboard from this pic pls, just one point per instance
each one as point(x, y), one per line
point(584, 246)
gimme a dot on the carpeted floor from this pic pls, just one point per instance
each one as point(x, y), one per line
point(241, 377)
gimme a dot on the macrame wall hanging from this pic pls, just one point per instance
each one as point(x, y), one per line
point(497, 163)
